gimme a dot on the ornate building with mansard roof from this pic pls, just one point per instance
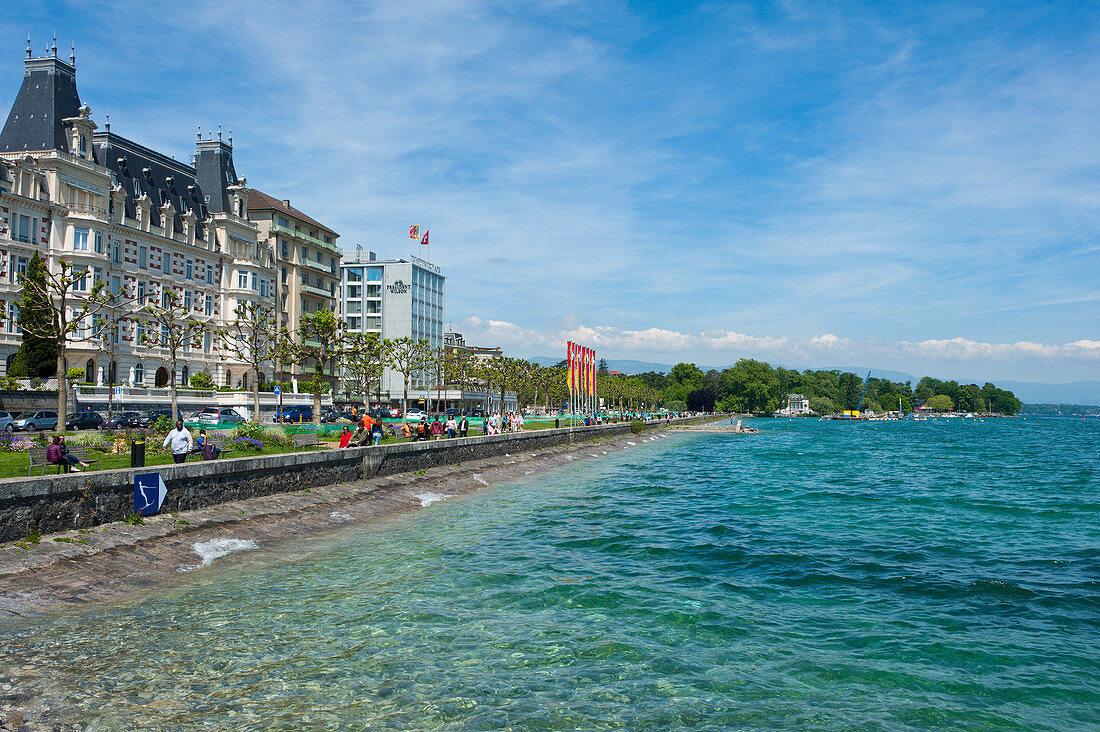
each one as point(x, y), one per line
point(137, 220)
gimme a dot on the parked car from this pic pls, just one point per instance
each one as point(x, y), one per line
point(150, 417)
point(6, 422)
point(31, 421)
point(478, 413)
point(453, 412)
point(395, 412)
point(217, 415)
point(415, 414)
point(331, 415)
point(296, 413)
point(83, 421)
point(121, 420)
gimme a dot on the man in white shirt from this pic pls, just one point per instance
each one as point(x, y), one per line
point(180, 440)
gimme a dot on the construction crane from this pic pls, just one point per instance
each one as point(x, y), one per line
point(859, 409)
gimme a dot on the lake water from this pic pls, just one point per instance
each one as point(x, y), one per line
point(824, 575)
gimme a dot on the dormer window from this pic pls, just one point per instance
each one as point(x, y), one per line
point(83, 145)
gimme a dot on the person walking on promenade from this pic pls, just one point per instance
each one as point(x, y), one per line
point(181, 442)
point(464, 426)
point(376, 431)
point(485, 425)
point(451, 426)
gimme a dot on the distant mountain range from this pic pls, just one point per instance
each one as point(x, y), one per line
point(1029, 392)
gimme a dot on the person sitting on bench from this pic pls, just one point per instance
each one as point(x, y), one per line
point(58, 454)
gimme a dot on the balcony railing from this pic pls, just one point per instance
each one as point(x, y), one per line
point(298, 233)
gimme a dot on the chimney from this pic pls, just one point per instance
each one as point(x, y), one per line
point(286, 202)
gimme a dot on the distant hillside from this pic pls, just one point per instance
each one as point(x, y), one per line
point(1060, 410)
point(1075, 392)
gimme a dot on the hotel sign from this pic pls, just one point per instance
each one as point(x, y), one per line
point(399, 288)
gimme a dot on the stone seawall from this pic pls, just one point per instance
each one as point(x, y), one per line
point(83, 500)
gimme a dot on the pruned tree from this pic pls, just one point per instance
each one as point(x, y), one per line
point(503, 372)
point(252, 339)
point(435, 365)
point(459, 368)
point(407, 357)
point(174, 327)
point(66, 311)
point(320, 340)
point(105, 341)
point(364, 361)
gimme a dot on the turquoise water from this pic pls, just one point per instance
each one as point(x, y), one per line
point(821, 575)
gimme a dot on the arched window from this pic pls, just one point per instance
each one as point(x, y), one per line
point(89, 371)
point(8, 362)
point(139, 373)
point(244, 381)
point(262, 378)
point(185, 376)
point(228, 377)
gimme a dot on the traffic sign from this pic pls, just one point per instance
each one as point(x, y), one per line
point(278, 391)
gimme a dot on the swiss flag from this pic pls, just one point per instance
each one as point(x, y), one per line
point(424, 239)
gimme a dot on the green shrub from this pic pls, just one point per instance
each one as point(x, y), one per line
point(277, 437)
point(88, 438)
point(163, 424)
point(202, 380)
point(253, 430)
point(637, 426)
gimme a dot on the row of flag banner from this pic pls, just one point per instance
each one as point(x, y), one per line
point(414, 233)
point(581, 376)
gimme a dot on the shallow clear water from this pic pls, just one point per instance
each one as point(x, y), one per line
point(937, 575)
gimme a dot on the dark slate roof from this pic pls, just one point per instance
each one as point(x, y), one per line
point(141, 170)
point(260, 201)
point(214, 172)
point(47, 96)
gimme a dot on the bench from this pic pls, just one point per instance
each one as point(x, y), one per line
point(306, 441)
point(219, 444)
point(38, 458)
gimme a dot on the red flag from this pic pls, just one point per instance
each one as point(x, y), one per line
point(569, 364)
point(424, 239)
point(414, 231)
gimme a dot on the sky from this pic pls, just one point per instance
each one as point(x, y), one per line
point(909, 186)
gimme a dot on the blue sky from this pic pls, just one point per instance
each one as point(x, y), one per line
point(910, 186)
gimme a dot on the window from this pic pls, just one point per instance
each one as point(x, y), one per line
point(140, 336)
point(332, 289)
point(188, 269)
point(187, 300)
point(164, 334)
point(354, 323)
point(284, 275)
point(141, 292)
point(320, 283)
point(80, 239)
point(18, 268)
point(139, 373)
point(97, 274)
point(26, 229)
point(284, 224)
point(166, 262)
point(374, 323)
point(255, 281)
point(374, 290)
point(99, 242)
point(81, 285)
point(209, 275)
point(285, 253)
point(114, 334)
point(209, 305)
point(355, 275)
point(354, 308)
point(13, 317)
point(242, 279)
point(263, 288)
point(206, 341)
point(332, 264)
point(142, 254)
point(164, 297)
point(354, 292)
point(302, 277)
point(374, 274)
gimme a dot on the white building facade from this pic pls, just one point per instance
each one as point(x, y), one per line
point(395, 298)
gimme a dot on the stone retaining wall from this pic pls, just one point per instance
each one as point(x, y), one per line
point(82, 500)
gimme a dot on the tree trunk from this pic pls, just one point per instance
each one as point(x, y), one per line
point(255, 394)
point(172, 391)
point(318, 372)
point(62, 382)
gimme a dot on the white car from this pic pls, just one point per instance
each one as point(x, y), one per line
point(415, 414)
